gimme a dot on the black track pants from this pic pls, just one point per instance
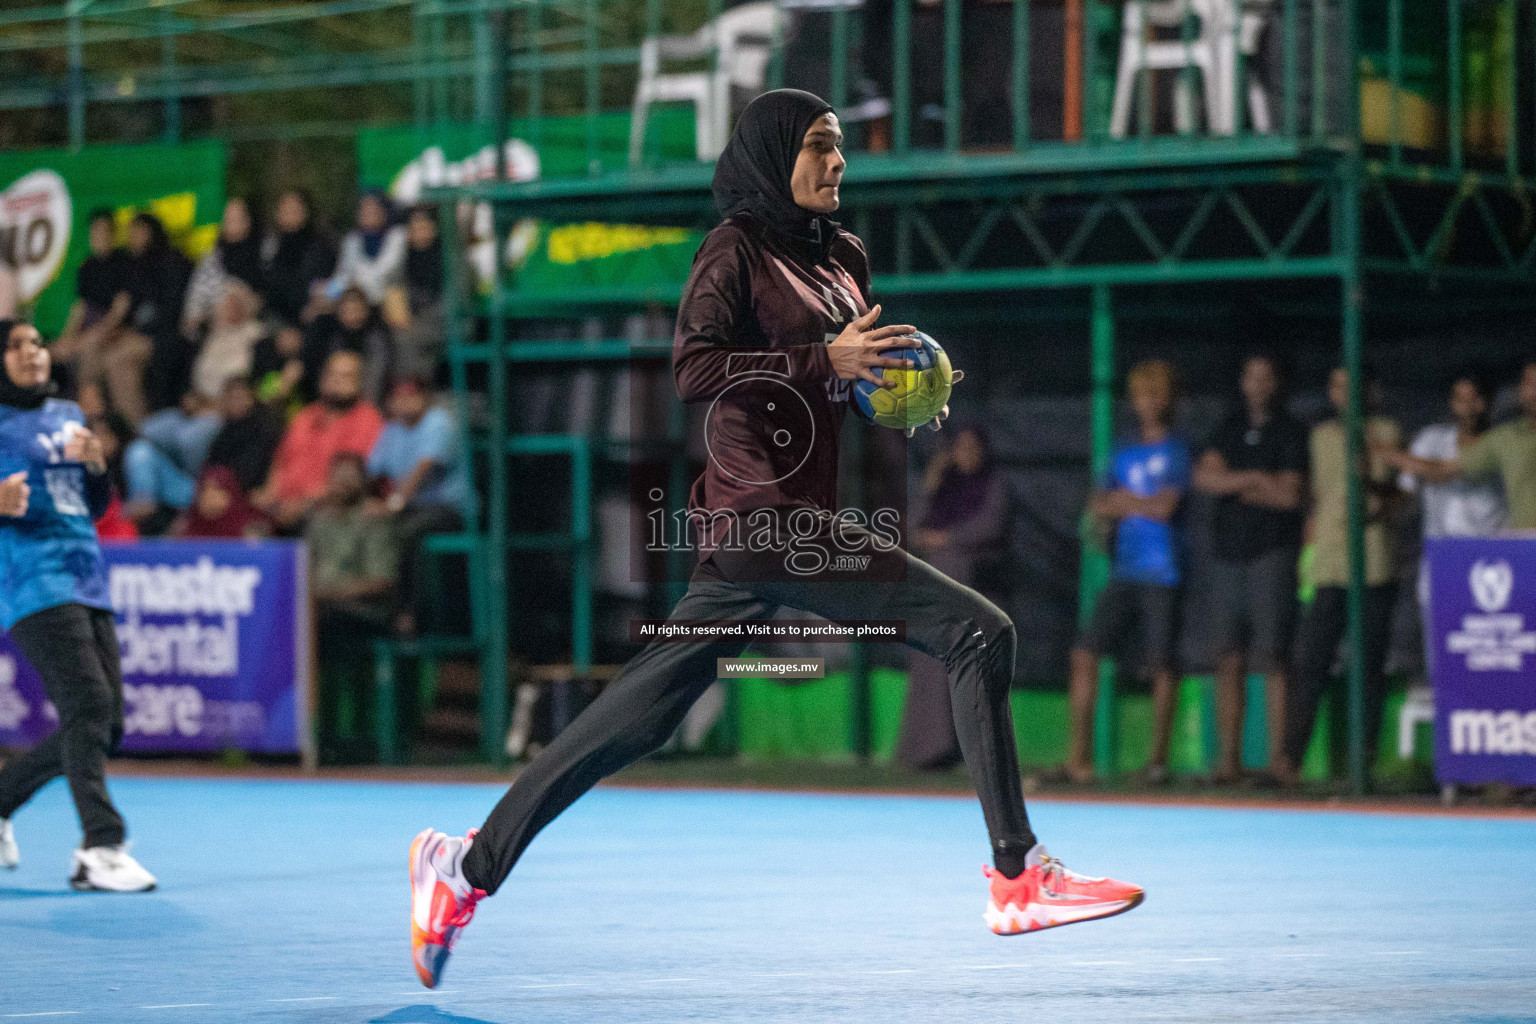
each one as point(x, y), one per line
point(638, 711)
point(74, 649)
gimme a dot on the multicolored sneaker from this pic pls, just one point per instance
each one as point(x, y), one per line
point(1047, 895)
point(442, 901)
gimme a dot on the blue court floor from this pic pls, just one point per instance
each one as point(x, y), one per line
point(287, 901)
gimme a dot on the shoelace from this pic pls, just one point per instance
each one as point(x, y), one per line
point(114, 857)
point(464, 906)
point(1055, 871)
point(464, 910)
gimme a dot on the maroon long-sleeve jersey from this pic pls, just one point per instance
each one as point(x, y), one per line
point(752, 334)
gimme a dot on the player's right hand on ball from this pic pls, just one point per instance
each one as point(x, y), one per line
point(14, 494)
point(856, 352)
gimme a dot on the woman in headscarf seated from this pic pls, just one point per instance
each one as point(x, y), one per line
point(962, 519)
point(221, 508)
point(356, 326)
point(373, 253)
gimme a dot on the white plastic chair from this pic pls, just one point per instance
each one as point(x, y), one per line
point(741, 40)
point(1212, 50)
point(1250, 25)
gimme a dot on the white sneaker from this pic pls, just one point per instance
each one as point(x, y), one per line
point(10, 856)
point(109, 869)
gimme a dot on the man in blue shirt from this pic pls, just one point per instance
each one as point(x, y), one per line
point(418, 456)
point(1140, 502)
point(56, 605)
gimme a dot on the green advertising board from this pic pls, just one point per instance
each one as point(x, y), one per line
point(46, 198)
point(546, 258)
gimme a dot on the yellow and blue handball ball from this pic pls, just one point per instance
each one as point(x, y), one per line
point(919, 394)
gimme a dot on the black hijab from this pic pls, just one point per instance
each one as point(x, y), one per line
point(752, 175)
point(424, 269)
point(960, 495)
point(13, 394)
point(242, 259)
point(373, 241)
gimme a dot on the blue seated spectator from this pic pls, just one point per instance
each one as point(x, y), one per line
point(419, 459)
point(163, 462)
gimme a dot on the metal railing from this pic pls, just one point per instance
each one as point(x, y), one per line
point(1438, 82)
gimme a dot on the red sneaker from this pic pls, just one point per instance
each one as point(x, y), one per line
point(442, 902)
point(1047, 895)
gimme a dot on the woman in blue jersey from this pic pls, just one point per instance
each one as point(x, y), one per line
point(55, 604)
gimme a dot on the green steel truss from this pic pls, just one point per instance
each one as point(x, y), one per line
point(1474, 228)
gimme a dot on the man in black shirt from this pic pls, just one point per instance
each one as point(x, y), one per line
point(101, 304)
point(1254, 466)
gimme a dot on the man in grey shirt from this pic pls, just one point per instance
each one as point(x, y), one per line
point(1461, 507)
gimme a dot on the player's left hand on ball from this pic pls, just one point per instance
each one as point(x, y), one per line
point(84, 446)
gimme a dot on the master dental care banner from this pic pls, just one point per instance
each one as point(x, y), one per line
point(1483, 636)
point(215, 647)
point(47, 195)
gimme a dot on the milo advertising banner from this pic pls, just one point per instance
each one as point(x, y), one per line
point(545, 257)
point(47, 195)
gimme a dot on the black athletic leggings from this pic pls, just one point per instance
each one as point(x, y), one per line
point(638, 711)
point(74, 649)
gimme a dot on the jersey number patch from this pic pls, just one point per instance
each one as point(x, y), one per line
point(64, 488)
point(64, 485)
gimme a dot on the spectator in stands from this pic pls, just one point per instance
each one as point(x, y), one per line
point(353, 562)
point(92, 400)
point(249, 436)
point(418, 457)
point(963, 519)
point(222, 509)
point(114, 433)
point(235, 257)
point(146, 369)
point(1507, 451)
point(101, 303)
point(340, 421)
point(373, 253)
point(278, 370)
point(297, 258)
point(10, 289)
point(1322, 626)
point(1254, 466)
point(229, 349)
point(1456, 508)
point(355, 327)
point(162, 464)
point(419, 331)
point(1138, 612)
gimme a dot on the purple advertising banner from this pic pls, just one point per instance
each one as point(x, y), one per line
point(1483, 646)
point(214, 639)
